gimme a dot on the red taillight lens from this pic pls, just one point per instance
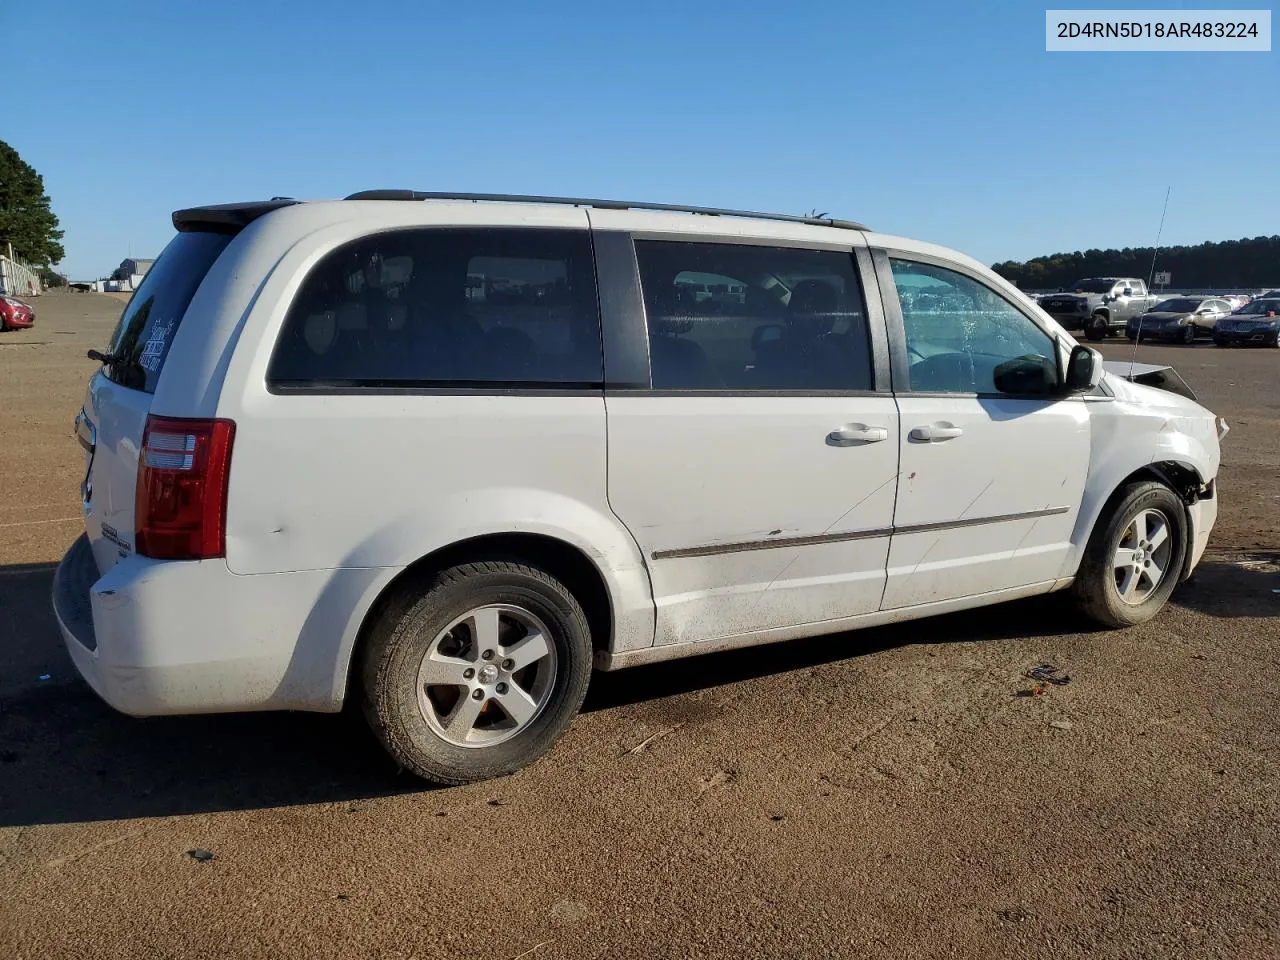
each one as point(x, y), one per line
point(183, 470)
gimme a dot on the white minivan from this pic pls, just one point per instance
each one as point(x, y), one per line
point(444, 454)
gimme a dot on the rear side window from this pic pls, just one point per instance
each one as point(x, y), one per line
point(149, 323)
point(446, 307)
point(741, 317)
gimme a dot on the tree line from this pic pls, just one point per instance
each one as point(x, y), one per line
point(26, 220)
point(1230, 263)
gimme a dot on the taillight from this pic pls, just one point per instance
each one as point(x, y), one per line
point(183, 470)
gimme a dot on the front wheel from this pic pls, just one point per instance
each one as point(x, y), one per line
point(1134, 558)
point(478, 672)
point(1098, 328)
point(1189, 334)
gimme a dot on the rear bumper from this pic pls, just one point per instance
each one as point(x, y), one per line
point(154, 637)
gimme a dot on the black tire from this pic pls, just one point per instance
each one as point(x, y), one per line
point(410, 624)
point(1098, 327)
point(1189, 334)
point(1133, 338)
point(1219, 342)
point(1095, 588)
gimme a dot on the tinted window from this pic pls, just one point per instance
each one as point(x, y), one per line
point(963, 337)
point(1092, 286)
point(446, 307)
point(1177, 306)
point(147, 327)
point(1260, 307)
point(738, 317)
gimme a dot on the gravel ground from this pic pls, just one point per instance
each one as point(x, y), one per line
point(883, 793)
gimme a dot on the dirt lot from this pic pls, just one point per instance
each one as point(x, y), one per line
point(883, 793)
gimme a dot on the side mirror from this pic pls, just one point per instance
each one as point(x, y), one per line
point(1031, 375)
point(1084, 369)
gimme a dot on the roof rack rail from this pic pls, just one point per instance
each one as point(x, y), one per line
point(603, 205)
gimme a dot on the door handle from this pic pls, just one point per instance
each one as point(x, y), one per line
point(935, 432)
point(854, 434)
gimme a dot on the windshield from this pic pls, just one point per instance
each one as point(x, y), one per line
point(1177, 306)
point(1261, 307)
point(1092, 286)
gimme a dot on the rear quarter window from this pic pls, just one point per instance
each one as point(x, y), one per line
point(442, 307)
point(150, 321)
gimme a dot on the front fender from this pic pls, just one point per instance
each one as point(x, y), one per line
point(1128, 438)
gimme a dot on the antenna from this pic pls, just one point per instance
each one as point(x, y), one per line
point(1137, 339)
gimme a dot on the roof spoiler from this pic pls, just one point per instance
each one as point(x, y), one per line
point(226, 217)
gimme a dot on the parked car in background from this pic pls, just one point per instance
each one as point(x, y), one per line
point(322, 464)
point(1180, 319)
point(15, 314)
point(1237, 300)
point(1269, 295)
point(1099, 305)
point(1257, 322)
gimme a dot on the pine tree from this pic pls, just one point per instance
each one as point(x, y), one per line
point(25, 218)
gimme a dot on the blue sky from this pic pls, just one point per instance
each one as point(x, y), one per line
point(931, 119)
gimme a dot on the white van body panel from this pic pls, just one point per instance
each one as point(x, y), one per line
point(332, 496)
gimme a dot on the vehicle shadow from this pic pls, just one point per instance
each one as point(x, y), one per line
point(1245, 588)
point(67, 757)
point(1020, 619)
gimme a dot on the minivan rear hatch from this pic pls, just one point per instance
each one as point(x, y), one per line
point(111, 425)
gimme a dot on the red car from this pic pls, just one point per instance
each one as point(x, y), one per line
point(15, 314)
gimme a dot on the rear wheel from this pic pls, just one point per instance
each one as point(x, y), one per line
point(1189, 333)
point(478, 672)
point(1134, 558)
point(1098, 327)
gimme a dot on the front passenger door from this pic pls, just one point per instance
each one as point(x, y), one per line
point(993, 460)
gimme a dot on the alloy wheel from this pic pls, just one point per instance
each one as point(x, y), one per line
point(487, 675)
point(1141, 560)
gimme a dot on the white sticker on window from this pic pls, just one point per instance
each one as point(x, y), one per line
point(154, 347)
